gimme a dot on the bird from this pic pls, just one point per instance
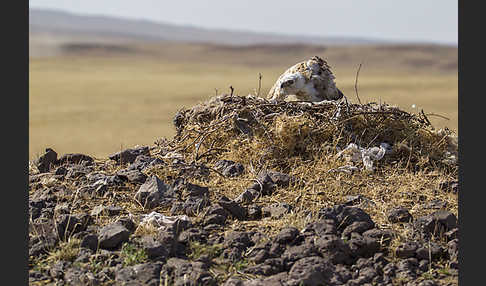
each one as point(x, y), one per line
point(310, 80)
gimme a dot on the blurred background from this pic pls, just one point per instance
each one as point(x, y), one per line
point(107, 75)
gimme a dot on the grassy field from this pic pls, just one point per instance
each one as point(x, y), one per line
point(99, 101)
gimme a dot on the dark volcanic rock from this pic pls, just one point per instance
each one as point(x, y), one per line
point(334, 248)
point(75, 158)
point(254, 212)
point(154, 193)
point(237, 239)
point(269, 267)
point(407, 249)
point(70, 224)
point(276, 210)
point(133, 176)
point(182, 272)
point(280, 179)
point(381, 235)
point(113, 235)
point(399, 214)
point(363, 246)
point(436, 224)
point(264, 184)
point(90, 241)
point(229, 168)
point(287, 235)
point(154, 248)
point(129, 155)
point(320, 228)
point(195, 205)
point(233, 208)
point(356, 227)
point(141, 274)
point(344, 216)
point(312, 270)
point(46, 160)
point(143, 162)
point(430, 251)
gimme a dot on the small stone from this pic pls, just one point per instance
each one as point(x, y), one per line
point(287, 235)
point(129, 155)
point(312, 270)
point(46, 160)
point(113, 235)
point(133, 176)
point(153, 193)
point(229, 168)
point(154, 249)
point(429, 251)
point(90, 241)
point(75, 158)
point(233, 208)
point(254, 212)
point(276, 210)
point(407, 249)
point(399, 214)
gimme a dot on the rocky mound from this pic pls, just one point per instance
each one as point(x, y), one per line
point(250, 192)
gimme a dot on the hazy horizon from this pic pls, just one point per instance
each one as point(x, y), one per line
point(433, 22)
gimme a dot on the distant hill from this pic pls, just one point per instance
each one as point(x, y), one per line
point(55, 25)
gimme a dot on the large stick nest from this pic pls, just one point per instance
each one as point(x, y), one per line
point(265, 134)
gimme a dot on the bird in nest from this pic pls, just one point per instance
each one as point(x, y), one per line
point(310, 80)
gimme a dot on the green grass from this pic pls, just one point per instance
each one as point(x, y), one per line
point(132, 255)
point(99, 104)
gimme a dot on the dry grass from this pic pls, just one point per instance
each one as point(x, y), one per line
point(99, 103)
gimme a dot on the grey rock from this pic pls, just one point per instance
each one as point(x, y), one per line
point(68, 225)
point(140, 274)
point(312, 270)
point(195, 190)
point(247, 196)
point(106, 210)
point(214, 219)
point(46, 161)
point(182, 272)
point(294, 253)
point(363, 246)
point(320, 228)
point(237, 239)
point(399, 214)
point(154, 193)
point(229, 168)
point(357, 227)
point(436, 204)
point(233, 208)
point(74, 158)
point(113, 235)
point(133, 176)
point(287, 235)
point(276, 210)
point(154, 248)
point(143, 162)
point(193, 206)
point(192, 234)
point(271, 266)
point(407, 249)
point(90, 241)
point(254, 212)
point(129, 155)
point(280, 179)
point(429, 251)
point(334, 248)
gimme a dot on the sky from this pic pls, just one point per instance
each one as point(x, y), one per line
point(408, 21)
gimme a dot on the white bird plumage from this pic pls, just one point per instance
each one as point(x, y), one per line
point(311, 80)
